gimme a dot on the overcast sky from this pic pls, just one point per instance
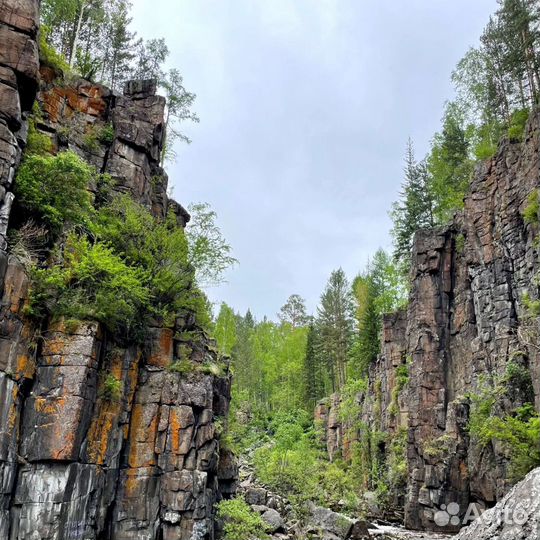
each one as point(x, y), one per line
point(305, 108)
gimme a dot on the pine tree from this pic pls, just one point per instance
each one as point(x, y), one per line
point(367, 343)
point(449, 164)
point(415, 209)
point(335, 326)
point(313, 377)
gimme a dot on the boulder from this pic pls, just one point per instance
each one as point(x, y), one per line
point(273, 519)
point(255, 496)
point(332, 524)
point(515, 517)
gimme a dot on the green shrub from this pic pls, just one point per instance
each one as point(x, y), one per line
point(96, 135)
point(90, 140)
point(158, 247)
point(397, 460)
point(518, 121)
point(93, 283)
point(240, 521)
point(54, 189)
point(182, 367)
point(519, 433)
point(518, 430)
point(106, 134)
point(37, 142)
point(111, 389)
point(49, 56)
point(530, 213)
point(212, 368)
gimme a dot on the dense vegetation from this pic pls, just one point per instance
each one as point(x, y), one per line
point(99, 255)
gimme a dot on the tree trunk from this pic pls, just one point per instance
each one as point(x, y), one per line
point(73, 53)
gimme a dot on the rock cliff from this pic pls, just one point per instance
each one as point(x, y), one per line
point(468, 321)
point(75, 464)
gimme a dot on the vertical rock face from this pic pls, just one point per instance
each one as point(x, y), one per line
point(77, 459)
point(19, 66)
point(465, 323)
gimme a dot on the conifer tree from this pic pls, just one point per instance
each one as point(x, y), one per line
point(313, 377)
point(415, 209)
point(335, 326)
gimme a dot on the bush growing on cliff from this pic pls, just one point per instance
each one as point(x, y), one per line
point(159, 249)
point(530, 214)
point(54, 189)
point(517, 430)
point(91, 283)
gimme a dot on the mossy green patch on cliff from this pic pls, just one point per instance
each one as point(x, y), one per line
point(531, 211)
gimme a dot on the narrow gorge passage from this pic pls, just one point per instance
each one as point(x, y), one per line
point(321, 339)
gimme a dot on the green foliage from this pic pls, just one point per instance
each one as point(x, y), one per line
point(294, 465)
point(106, 134)
point(518, 121)
point(209, 253)
point(439, 447)
point(182, 366)
point(111, 388)
point(397, 461)
point(160, 249)
point(240, 521)
point(531, 211)
point(37, 143)
point(225, 330)
point(90, 140)
point(335, 325)
point(378, 290)
point(49, 56)
point(518, 430)
point(520, 433)
point(54, 189)
point(92, 283)
point(313, 371)
point(96, 135)
point(415, 209)
point(449, 165)
point(212, 368)
point(402, 379)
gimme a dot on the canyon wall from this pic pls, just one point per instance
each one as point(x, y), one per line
point(74, 463)
point(467, 323)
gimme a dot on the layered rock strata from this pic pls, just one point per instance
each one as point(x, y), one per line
point(76, 461)
point(468, 320)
